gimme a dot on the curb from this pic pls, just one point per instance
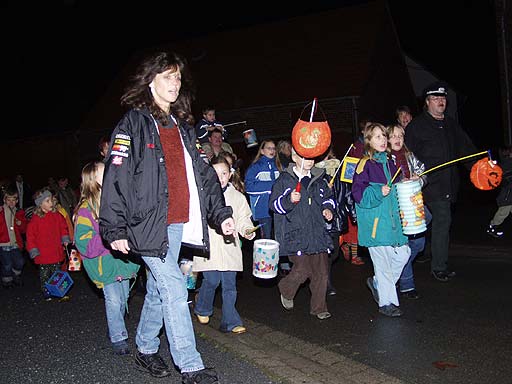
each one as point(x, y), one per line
point(287, 359)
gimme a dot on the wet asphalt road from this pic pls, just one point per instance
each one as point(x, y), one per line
point(66, 342)
point(462, 326)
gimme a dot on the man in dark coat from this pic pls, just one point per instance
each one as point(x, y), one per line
point(24, 192)
point(436, 138)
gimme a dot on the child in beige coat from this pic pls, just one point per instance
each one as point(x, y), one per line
point(225, 258)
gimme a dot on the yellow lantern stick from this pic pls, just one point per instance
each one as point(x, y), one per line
point(331, 183)
point(453, 161)
point(395, 175)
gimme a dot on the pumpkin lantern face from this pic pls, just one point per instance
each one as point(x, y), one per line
point(485, 176)
point(311, 139)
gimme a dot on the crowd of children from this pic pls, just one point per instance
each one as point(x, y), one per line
point(268, 197)
point(312, 224)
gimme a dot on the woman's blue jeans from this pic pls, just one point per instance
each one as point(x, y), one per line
point(166, 304)
point(204, 305)
point(116, 297)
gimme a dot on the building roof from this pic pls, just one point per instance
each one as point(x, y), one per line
point(324, 55)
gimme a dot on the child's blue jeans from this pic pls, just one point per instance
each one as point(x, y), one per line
point(204, 304)
point(116, 297)
point(406, 282)
point(11, 263)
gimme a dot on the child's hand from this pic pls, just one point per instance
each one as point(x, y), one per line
point(385, 190)
point(250, 235)
point(327, 214)
point(295, 196)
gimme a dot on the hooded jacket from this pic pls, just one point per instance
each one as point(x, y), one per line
point(342, 195)
point(300, 228)
point(378, 217)
point(134, 198)
point(226, 252)
point(45, 237)
point(259, 179)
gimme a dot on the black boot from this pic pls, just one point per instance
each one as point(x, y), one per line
point(495, 231)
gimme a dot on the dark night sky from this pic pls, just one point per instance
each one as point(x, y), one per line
point(57, 60)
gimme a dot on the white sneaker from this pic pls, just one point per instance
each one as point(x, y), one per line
point(287, 304)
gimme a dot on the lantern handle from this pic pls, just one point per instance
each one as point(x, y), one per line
point(451, 162)
point(314, 109)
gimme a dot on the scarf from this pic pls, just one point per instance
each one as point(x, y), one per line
point(401, 162)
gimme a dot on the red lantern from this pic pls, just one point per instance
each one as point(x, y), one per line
point(311, 139)
point(486, 175)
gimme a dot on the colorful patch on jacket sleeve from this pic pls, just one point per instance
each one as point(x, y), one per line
point(360, 165)
point(117, 160)
point(120, 148)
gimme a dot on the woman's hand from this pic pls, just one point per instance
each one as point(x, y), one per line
point(385, 190)
point(228, 226)
point(121, 246)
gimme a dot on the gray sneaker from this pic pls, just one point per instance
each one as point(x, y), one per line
point(287, 304)
point(390, 310)
point(323, 315)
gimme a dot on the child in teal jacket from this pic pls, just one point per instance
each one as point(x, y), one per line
point(378, 219)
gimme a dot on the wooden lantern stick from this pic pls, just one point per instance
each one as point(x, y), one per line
point(331, 182)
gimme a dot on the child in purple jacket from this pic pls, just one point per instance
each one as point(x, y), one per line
point(109, 273)
point(378, 219)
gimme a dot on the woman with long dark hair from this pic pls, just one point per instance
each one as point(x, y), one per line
point(157, 194)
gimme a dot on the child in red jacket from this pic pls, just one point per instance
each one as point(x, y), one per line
point(12, 226)
point(47, 232)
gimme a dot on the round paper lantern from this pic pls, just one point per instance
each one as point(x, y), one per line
point(486, 175)
point(311, 139)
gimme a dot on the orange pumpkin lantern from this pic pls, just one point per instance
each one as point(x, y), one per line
point(485, 174)
point(311, 139)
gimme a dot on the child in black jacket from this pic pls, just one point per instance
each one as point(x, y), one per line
point(299, 219)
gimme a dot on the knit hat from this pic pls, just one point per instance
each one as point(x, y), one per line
point(39, 200)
